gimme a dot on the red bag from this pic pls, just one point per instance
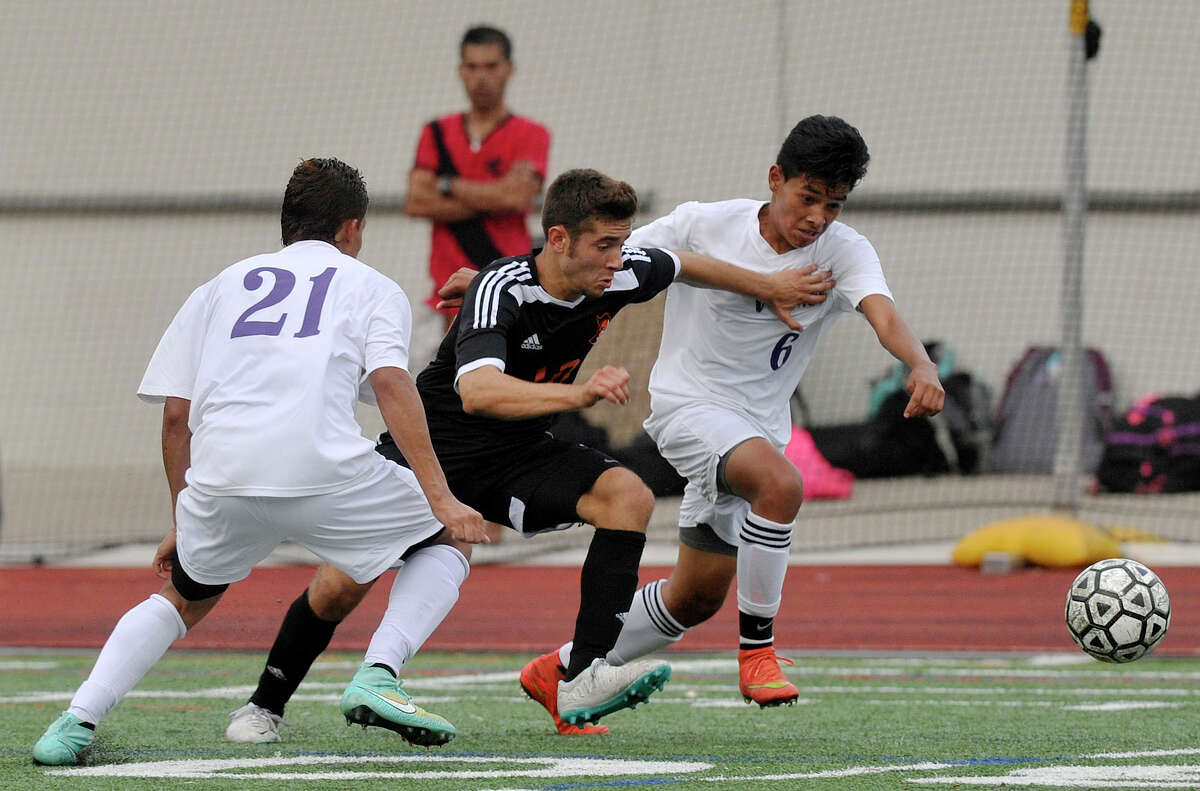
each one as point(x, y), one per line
point(821, 479)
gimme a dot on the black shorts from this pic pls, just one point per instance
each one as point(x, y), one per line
point(705, 539)
point(532, 490)
point(188, 588)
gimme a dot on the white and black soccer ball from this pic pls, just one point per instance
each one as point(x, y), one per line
point(1118, 610)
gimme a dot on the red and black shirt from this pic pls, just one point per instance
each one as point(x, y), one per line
point(446, 149)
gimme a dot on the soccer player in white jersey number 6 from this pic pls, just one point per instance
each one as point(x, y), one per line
point(720, 392)
point(259, 373)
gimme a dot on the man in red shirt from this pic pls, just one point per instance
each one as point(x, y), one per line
point(477, 173)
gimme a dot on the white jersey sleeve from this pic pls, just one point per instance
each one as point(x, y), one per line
point(172, 368)
point(855, 266)
point(670, 232)
point(389, 331)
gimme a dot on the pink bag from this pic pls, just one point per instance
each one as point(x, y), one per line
point(821, 479)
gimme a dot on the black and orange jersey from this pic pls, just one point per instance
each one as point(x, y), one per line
point(508, 320)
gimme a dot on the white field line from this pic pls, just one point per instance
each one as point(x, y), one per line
point(1090, 777)
point(1145, 754)
point(691, 694)
point(911, 696)
point(1125, 705)
point(868, 689)
point(531, 767)
point(830, 774)
point(1106, 671)
point(499, 681)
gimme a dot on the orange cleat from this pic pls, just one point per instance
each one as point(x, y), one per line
point(540, 680)
point(761, 680)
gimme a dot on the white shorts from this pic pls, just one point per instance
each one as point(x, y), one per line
point(362, 529)
point(694, 439)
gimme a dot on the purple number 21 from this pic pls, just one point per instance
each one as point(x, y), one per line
point(285, 281)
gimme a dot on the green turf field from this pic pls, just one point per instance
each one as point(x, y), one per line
point(863, 722)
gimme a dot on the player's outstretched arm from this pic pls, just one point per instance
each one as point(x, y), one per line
point(404, 415)
point(781, 290)
point(491, 392)
point(926, 393)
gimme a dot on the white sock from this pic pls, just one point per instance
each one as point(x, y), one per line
point(762, 563)
point(425, 589)
point(138, 640)
point(649, 627)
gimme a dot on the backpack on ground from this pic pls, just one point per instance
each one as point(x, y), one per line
point(891, 445)
point(1154, 447)
point(1026, 421)
point(888, 445)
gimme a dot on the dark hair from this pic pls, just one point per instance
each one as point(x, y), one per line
point(321, 195)
point(578, 197)
point(485, 34)
point(825, 148)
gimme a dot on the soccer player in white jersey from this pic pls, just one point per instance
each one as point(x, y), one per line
point(721, 387)
point(259, 373)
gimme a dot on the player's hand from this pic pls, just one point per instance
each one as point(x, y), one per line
point(927, 395)
point(462, 522)
point(455, 287)
point(807, 286)
point(165, 557)
point(610, 383)
point(792, 287)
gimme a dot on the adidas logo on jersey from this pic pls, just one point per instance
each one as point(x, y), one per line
point(532, 343)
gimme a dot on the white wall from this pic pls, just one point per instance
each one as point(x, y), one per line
point(687, 100)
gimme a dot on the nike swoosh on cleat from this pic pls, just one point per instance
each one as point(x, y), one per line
point(407, 707)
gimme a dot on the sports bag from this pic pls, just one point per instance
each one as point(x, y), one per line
point(1027, 417)
point(1154, 447)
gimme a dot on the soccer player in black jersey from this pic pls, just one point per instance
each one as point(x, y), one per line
point(505, 369)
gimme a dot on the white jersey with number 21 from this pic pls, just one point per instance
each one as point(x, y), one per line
point(273, 354)
point(731, 350)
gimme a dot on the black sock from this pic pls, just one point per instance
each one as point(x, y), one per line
point(301, 639)
point(755, 631)
point(382, 666)
point(606, 586)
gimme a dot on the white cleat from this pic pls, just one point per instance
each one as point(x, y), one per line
point(253, 724)
point(604, 688)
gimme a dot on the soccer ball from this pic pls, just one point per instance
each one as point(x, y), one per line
point(1118, 610)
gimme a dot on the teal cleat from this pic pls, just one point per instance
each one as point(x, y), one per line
point(63, 741)
point(375, 697)
point(602, 689)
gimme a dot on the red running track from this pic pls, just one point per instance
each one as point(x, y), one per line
point(532, 609)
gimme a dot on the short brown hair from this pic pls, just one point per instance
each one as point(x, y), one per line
point(578, 197)
point(321, 195)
